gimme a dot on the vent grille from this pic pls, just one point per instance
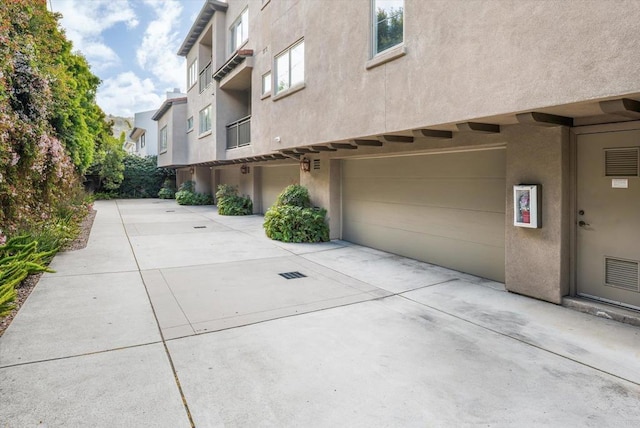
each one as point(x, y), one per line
point(621, 273)
point(292, 275)
point(621, 162)
point(316, 164)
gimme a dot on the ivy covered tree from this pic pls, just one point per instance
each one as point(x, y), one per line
point(49, 121)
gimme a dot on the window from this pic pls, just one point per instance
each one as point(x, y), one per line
point(163, 139)
point(143, 139)
point(240, 31)
point(190, 124)
point(193, 74)
point(266, 83)
point(205, 119)
point(388, 18)
point(290, 67)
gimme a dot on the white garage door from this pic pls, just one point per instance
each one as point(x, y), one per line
point(447, 209)
point(274, 180)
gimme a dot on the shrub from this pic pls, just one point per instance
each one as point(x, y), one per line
point(230, 203)
point(295, 195)
point(166, 193)
point(142, 177)
point(192, 198)
point(291, 219)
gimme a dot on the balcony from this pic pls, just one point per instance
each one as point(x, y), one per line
point(205, 78)
point(239, 133)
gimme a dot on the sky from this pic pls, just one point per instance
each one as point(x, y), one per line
point(131, 46)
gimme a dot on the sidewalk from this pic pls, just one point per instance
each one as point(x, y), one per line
point(174, 316)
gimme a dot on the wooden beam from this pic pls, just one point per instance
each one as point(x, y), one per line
point(544, 119)
point(371, 143)
point(482, 128)
point(323, 148)
point(432, 133)
point(303, 150)
point(343, 146)
point(622, 107)
point(388, 138)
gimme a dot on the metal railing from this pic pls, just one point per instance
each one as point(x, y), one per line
point(239, 133)
point(205, 78)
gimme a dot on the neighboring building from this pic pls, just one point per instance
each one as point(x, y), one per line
point(412, 121)
point(143, 136)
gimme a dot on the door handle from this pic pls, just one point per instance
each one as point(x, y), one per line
point(583, 224)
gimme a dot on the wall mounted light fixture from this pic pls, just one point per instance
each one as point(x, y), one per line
point(191, 170)
point(244, 169)
point(305, 164)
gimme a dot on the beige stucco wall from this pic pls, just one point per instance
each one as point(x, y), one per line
point(537, 260)
point(324, 190)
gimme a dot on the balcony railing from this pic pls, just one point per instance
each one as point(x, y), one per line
point(239, 133)
point(205, 78)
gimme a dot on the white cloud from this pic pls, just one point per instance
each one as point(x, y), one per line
point(157, 53)
point(126, 94)
point(85, 21)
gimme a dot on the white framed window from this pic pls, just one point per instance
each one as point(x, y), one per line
point(266, 83)
point(163, 139)
point(387, 24)
point(143, 140)
point(289, 67)
point(204, 122)
point(190, 124)
point(240, 31)
point(192, 77)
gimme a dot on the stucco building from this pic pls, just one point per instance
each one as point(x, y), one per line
point(412, 121)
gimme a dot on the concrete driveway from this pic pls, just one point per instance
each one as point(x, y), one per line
point(175, 316)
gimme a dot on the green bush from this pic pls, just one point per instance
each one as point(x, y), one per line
point(142, 177)
point(230, 203)
point(291, 218)
point(191, 198)
point(295, 195)
point(289, 223)
point(166, 193)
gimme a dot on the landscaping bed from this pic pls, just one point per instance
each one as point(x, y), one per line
point(26, 286)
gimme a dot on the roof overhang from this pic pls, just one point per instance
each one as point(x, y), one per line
point(166, 105)
point(207, 11)
point(136, 133)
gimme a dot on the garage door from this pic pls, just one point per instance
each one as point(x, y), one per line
point(447, 209)
point(274, 180)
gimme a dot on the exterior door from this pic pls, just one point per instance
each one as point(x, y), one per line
point(608, 204)
point(447, 209)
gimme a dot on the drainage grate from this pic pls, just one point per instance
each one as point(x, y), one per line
point(292, 275)
point(170, 211)
point(199, 227)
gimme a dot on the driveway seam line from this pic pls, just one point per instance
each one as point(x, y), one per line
point(84, 354)
point(176, 300)
point(518, 339)
point(155, 316)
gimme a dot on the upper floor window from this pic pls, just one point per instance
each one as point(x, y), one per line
point(192, 77)
point(290, 67)
point(163, 139)
point(266, 83)
point(388, 18)
point(205, 120)
point(240, 31)
point(190, 124)
point(143, 140)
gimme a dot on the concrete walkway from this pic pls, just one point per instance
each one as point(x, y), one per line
point(175, 316)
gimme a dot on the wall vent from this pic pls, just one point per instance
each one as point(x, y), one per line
point(621, 273)
point(621, 162)
point(316, 164)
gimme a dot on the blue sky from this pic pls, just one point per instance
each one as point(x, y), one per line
point(131, 46)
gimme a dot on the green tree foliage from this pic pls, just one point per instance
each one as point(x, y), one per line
point(389, 28)
point(49, 122)
point(142, 177)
